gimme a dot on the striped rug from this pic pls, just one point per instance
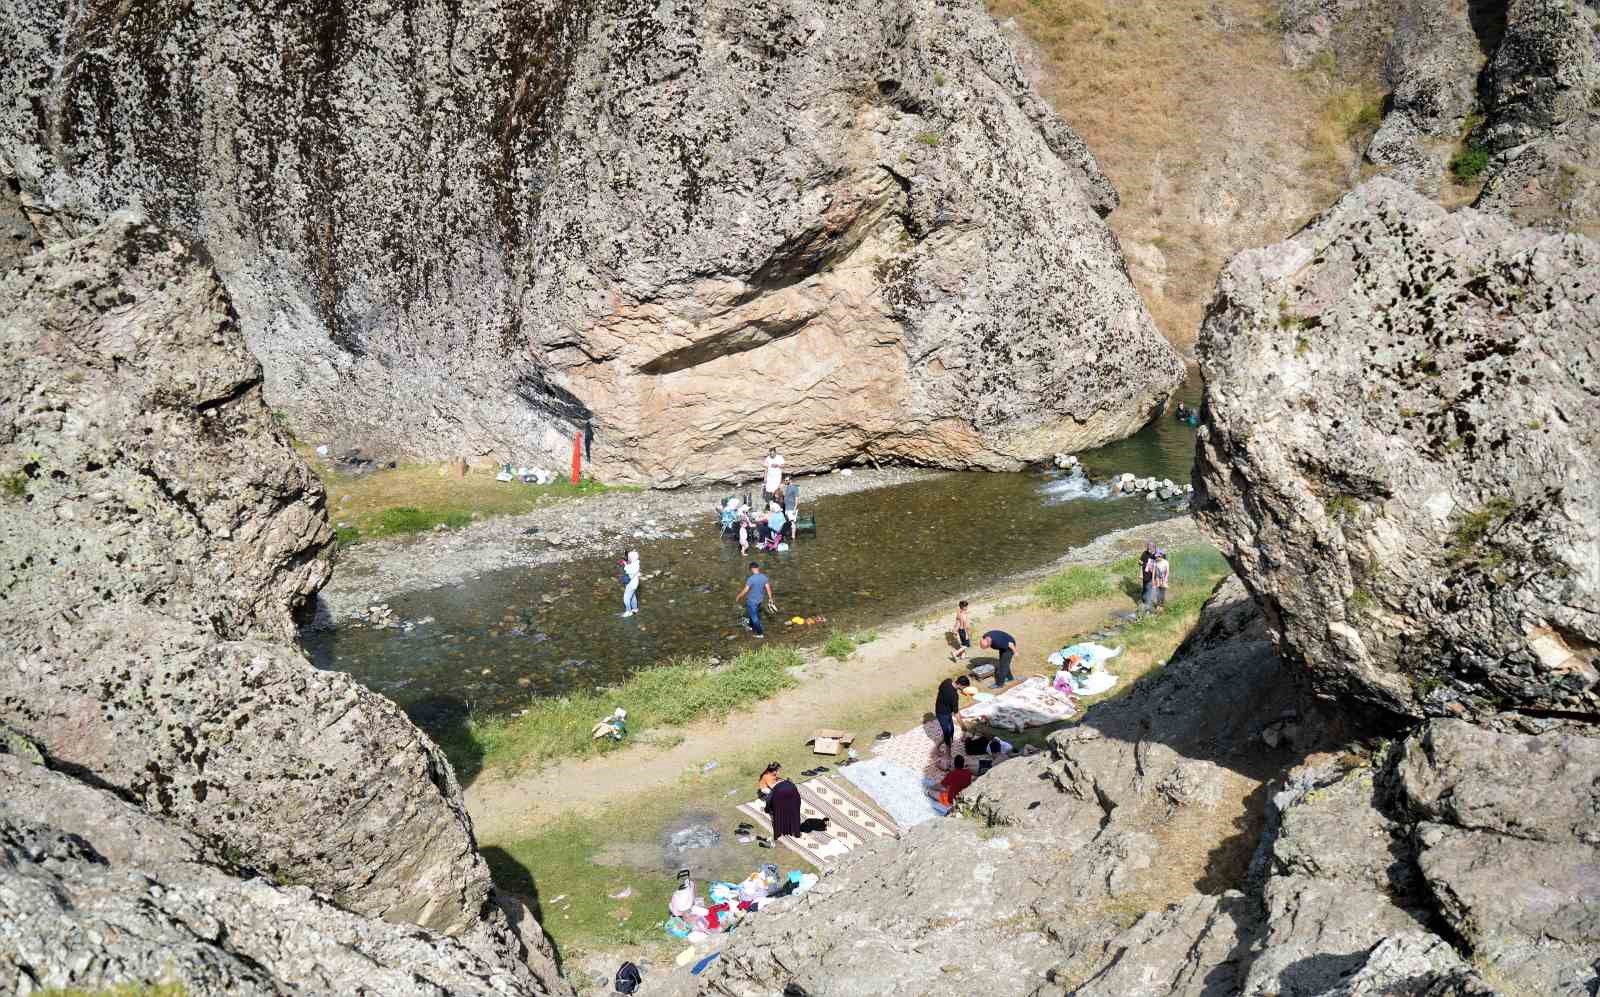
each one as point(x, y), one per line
point(852, 821)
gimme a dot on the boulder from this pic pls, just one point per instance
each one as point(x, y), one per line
point(1400, 454)
point(1339, 879)
point(98, 893)
point(158, 533)
point(1508, 845)
point(487, 229)
point(140, 464)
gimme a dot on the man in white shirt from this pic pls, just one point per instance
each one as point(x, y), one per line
point(774, 474)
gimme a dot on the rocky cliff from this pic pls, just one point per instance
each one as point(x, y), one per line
point(852, 229)
point(1496, 101)
point(157, 533)
point(1400, 453)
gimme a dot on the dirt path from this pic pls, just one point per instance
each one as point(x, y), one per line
point(909, 659)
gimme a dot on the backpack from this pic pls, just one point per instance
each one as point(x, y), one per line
point(627, 978)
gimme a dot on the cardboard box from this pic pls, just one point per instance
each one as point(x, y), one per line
point(826, 741)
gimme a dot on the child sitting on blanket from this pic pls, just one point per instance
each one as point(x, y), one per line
point(945, 791)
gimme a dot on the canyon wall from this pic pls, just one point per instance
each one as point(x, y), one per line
point(852, 230)
point(158, 533)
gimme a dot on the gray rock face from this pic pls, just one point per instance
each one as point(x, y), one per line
point(1399, 454)
point(94, 892)
point(1340, 879)
point(1544, 72)
point(1509, 845)
point(141, 466)
point(157, 532)
point(470, 228)
point(1432, 67)
point(1085, 837)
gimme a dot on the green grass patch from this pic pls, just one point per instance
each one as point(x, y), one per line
point(416, 497)
point(929, 139)
point(839, 645)
point(409, 519)
point(1081, 583)
point(670, 695)
point(565, 860)
point(346, 536)
point(864, 637)
point(1468, 164)
point(1474, 527)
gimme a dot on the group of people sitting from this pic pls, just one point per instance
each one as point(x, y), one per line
point(765, 528)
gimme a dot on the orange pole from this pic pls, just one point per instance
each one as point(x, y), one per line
point(577, 458)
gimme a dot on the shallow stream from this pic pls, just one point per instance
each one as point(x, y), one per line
point(508, 635)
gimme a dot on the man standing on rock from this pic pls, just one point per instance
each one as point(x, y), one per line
point(1006, 645)
point(756, 588)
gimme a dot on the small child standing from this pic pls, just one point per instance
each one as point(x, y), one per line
point(963, 624)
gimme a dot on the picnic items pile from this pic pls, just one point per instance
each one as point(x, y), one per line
point(1081, 669)
point(696, 918)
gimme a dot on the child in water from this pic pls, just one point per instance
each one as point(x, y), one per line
point(963, 624)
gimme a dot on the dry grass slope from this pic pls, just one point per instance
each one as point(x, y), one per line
point(1214, 142)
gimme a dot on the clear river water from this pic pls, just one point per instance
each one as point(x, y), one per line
point(506, 636)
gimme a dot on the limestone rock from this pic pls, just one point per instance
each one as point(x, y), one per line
point(1508, 844)
point(1340, 879)
point(482, 229)
point(1552, 181)
point(157, 532)
point(94, 893)
point(1400, 453)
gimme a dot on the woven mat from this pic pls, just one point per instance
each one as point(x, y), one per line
point(852, 821)
point(918, 749)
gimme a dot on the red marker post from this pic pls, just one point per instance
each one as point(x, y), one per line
point(577, 458)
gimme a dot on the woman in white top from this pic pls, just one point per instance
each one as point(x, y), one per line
point(630, 592)
point(774, 472)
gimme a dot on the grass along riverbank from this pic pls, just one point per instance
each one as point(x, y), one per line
point(595, 828)
point(415, 498)
point(670, 695)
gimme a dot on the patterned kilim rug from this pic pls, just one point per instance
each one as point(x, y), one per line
point(917, 749)
point(852, 821)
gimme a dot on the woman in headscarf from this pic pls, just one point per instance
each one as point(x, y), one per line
point(768, 779)
point(783, 806)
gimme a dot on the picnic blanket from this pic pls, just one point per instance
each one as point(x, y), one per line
point(916, 750)
point(1033, 703)
point(897, 789)
point(852, 821)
